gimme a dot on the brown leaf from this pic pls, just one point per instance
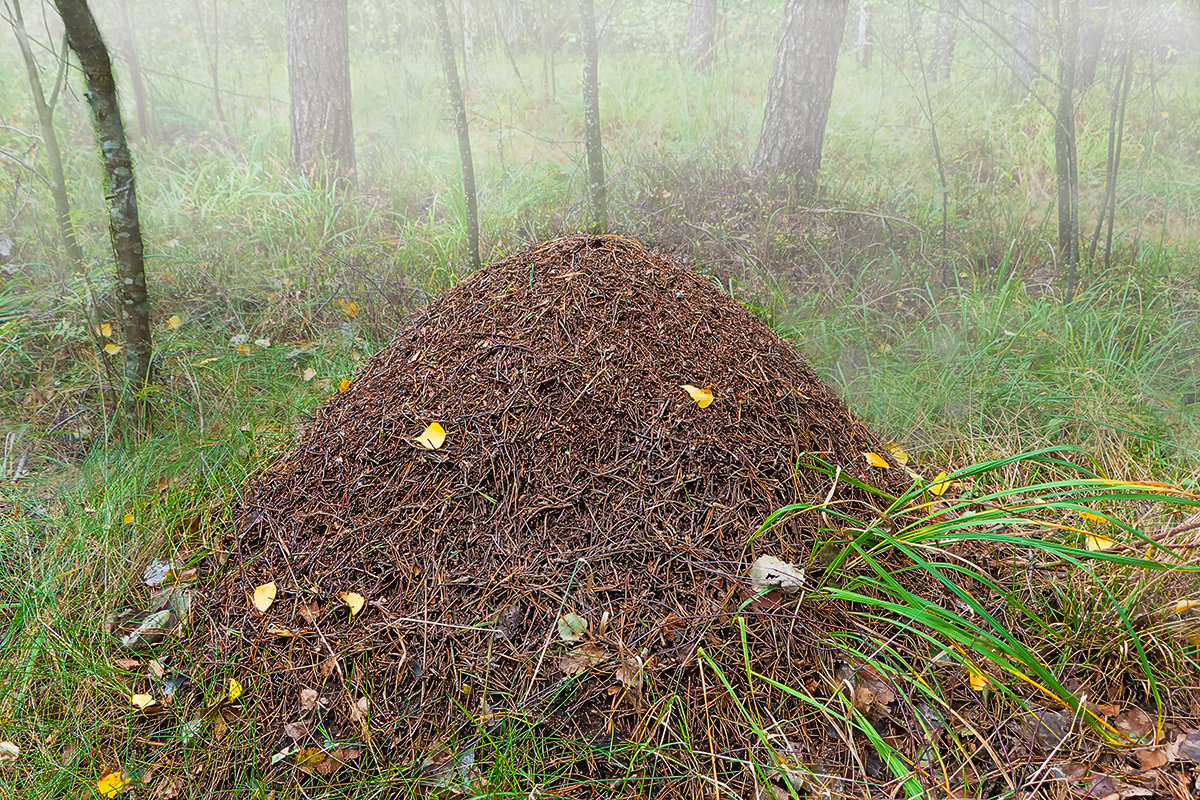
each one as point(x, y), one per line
point(127, 663)
point(338, 758)
point(308, 699)
point(310, 611)
point(168, 787)
point(1152, 758)
point(580, 659)
point(297, 730)
point(1135, 723)
point(629, 673)
point(327, 668)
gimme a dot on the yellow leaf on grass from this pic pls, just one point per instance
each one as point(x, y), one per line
point(111, 784)
point(703, 397)
point(264, 595)
point(1098, 542)
point(112, 349)
point(244, 349)
point(345, 384)
point(1186, 604)
point(979, 681)
point(939, 486)
point(349, 308)
point(141, 701)
point(174, 322)
point(433, 437)
point(898, 453)
point(128, 518)
point(105, 330)
point(1090, 517)
point(235, 690)
point(309, 374)
point(355, 600)
point(876, 460)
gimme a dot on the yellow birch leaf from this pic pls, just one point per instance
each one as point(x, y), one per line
point(876, 460)
point(345, 384)
point(433, 437)
point(105, 330)
point(264, 595)
point(898, 453)
point(355, 600)
point(1186, 604)
point(351, 309)
point(111, 784)
point(128, 519)
point(244, 349)
point(174, 322)
point(979, 681)
point(703, 397)
point(112, 349)
point(235, 690)
point(1098, 543)
point(309, 374)
point(1164, 114)
point(1090, 517)
point(939, 486)
point(141, 701)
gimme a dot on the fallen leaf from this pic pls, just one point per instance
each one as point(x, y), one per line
point(1098, 543)
point(111, 784)
point(939, 486)
point(168, 787)
point(309, 374)
point(9, 752)
point(580, 659)
point(310, 611)
point(127, 663)
point(978, 680)
point(105, 330)
point(150, 631)
point(284, 633)
point(174, 322)
point(360, 707)
point(336, 759)
point(235, 690)
point(703, 397)
point(433, 437)
point(264, 595)
point(128, 518)
point(629, 673)
point(141, 701)
point(876, 460)
point(345, 384)
point(297, 730)
point(1152, 758)
point(768, 573)
point(571, 627)
point(1135, 723)
point(898, 454)
point(308, 699)
point(310, 757)
point(157, 570)
point(1090, 517)
point(264, 342)
point(156, 668)
point(244, 349)
point(355, 600)
point(349, 308)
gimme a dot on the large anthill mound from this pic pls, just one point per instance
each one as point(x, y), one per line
point(573, 559)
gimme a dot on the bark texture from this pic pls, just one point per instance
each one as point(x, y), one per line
point(944, 40)
point(318, 44)
point(597, 194)
point(1027, 53)
point(119, 191)
point(863, 41)
point(801, 88)
point(700, 43)
point(459, 109)
point(45, 114)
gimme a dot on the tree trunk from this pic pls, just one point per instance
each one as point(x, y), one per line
point(801, 88)
point(1027, 60)
point(597, 195)
point(120, 192)
point(470, 69)
point(450, 68)
point(1093, 25)
point(863, 42)
point(1066, 165)
point(700, 43)
point(45, 115)
point(133, 63)
point(318, 44)
point(943, 41)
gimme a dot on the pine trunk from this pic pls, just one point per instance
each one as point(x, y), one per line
point(120, 193)
point(801, 88)
point(597, 194)
point(450, 68)
point(318, 44)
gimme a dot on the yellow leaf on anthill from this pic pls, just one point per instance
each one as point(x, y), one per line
point(105, 330)
point(345, 384)
point(939, 486)
point(703, 397)
point(112, 349)
point(898, 453)
point(111, 784)
point(433, 437)
point(174, 322)
point(309, 374)
point(264, 595)
point(876, 460)
point(235, 690)
point(355, 600)
point(979, 681)
point(141, 701)
point(1098, 543)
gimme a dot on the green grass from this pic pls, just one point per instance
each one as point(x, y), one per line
point(962, 349)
